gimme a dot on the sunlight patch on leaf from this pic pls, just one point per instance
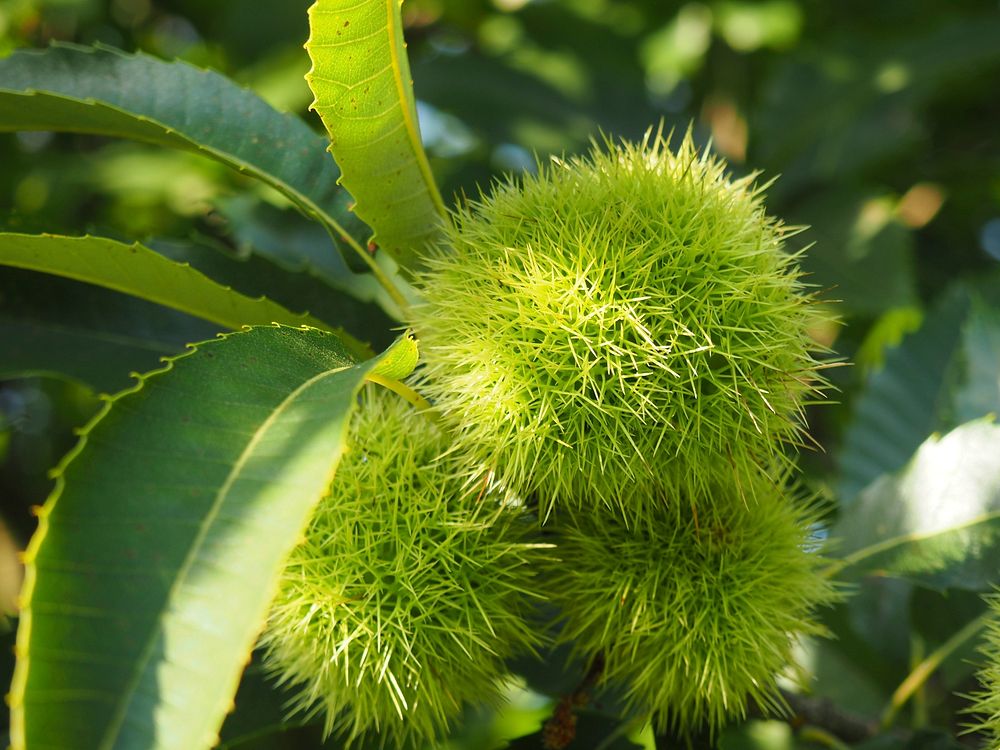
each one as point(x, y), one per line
point(935, 522)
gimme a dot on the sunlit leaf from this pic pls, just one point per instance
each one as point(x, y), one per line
point(161, 546)
point(364, 95)
point(937, 522)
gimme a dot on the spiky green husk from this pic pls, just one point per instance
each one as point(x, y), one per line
point(693, 615)
point(986, 703)
point(409, 590)
point(618, 318)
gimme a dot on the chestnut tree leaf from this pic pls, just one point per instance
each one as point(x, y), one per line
point(902, 403)
point(361, 80)
point(936, 522)
point(54, 327)
point(108, 92)
point(141, 272)
point(162, 544)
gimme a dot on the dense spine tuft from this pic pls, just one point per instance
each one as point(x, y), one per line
point(624, 340)
point(409, 590)
point(616, 322)
point(692, 615)
point(986, 703)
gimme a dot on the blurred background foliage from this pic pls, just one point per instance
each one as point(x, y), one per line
point(879, 119)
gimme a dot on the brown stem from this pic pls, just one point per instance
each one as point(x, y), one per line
point(823, 713)
point(560, 730)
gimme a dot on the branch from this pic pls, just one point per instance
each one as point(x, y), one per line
point(823, 713)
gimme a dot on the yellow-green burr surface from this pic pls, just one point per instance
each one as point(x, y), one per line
point(693, 613)
point(409, 589)
point(625, 319)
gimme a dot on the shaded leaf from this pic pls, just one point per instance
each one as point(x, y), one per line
point(57, 327)
point(903, 402)
point(254, 276)
point(160, 548)
point(262, 719)
point(590, 731)
point(364, 95)
point(979, 392)
point(294, 243)
point(260, 710)
point(936, 617)
point(104, 91)
point(552, 672)
point(863, 257)
point(842, 673)
point(141, 272)
point(758, 734)
point(938, 521)
point(880, 88)
point(923, 739)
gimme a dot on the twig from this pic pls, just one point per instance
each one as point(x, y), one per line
point(822, 713)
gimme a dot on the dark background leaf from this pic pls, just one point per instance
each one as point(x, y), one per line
point(54, 326)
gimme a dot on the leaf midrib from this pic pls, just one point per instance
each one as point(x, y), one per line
point(897, 541)
point(412, 131)
point(229, 159)
point(118, 719)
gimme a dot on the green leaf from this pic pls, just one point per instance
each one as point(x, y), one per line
point(555, 671)
point(903, 402)
point(108, 92)
point(881, 88)
point(922, 739)
point(862, 254)
point(292, 242)
point(254, 275)
point(364, 95)
point(262, 720)
point(161, 546)
point(979, 393)
point(60, 328)
point(259, 710)
point(937, 522)
point(758, 734)
point(141, 272)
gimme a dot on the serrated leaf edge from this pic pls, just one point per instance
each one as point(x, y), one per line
point(306, 205)
point(16, 695)
point(355, 346)
point(404, 91)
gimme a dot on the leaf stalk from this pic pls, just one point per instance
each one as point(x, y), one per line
point(922, 672)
